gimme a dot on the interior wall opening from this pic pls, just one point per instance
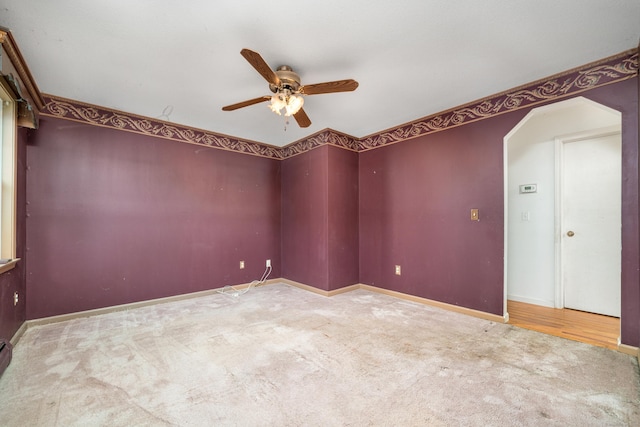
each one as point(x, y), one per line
point(540, 272)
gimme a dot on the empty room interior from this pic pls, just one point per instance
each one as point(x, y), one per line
point(232, 213)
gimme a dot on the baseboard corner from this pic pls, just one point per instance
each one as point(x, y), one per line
point(630, 350)
point(21, 330)
point(318, 291)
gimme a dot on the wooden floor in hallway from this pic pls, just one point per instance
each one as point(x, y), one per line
point(590, 328)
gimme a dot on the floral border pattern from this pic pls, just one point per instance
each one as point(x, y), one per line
point(609, 70)
point(77, 111)
point(325, 137)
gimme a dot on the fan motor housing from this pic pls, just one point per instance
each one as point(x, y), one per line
point(288, 79)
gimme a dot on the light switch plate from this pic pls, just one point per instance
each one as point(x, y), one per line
point(475, 215)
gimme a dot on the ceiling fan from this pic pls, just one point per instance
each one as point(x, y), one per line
point(287, 90)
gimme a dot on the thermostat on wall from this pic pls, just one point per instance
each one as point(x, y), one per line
point(528, 188)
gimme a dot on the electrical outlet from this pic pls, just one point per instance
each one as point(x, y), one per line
point(241, 265)
point(398, 270)
point(268, 263)
point(15, 298)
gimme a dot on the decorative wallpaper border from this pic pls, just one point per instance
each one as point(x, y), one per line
point(610, 70)
point(325, 137)
point(105, 117)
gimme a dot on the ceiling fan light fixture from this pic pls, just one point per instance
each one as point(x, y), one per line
point(294, 104)
point(277, 104)
point(287, 91)
point(286, 102)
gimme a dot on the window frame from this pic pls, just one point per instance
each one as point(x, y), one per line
point(8, 176)
point(26, 102)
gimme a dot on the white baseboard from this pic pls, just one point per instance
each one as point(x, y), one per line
point(534, 301)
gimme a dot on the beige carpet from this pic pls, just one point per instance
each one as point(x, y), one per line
point(281, 356)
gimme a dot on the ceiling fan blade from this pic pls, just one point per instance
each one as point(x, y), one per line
point(302, 119)
point(261, 66)
point(330, 87)
point(246, 103)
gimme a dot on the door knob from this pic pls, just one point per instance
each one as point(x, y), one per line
point(570, 233)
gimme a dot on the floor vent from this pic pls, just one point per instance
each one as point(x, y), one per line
point(5, 354)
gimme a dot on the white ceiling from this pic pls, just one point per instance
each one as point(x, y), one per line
point(180, 60)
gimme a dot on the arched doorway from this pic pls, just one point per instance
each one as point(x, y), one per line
point(535, 239)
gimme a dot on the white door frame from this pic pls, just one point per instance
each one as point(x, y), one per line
point(558, 240)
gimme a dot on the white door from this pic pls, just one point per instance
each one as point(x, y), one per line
point(591, 224)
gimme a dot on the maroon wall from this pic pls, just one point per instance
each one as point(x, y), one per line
point(343, 209)
point(116, 217)
point(12, 317)
point(320, 218)
point(415, 199)
point(415, 203)
point(305, 218)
